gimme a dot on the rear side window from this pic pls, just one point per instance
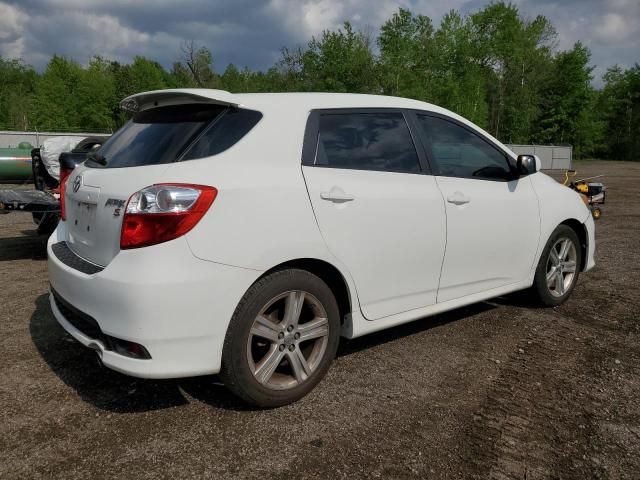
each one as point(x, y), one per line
point(163, 135)
point(366, 141)
point(223, 133)
point(461, 153)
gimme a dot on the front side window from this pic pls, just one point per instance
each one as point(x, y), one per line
point(366, 141)
point(459, 152)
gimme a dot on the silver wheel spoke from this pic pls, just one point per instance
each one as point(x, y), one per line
point(316, 328)
point(560, 283)
point(299, 365)
point(265, 328)
point(564, 249)
point(293, 308)
point(267, 366)
point(561, 267)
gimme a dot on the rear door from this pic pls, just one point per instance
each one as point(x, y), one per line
point(493, 222)
point(377, 205)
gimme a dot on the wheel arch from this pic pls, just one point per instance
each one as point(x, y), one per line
point(581, 232)
point(329, 274)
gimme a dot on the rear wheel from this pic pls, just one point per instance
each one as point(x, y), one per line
point(558, 268)
point(281, 339)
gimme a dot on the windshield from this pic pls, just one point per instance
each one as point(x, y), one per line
point(155, 136)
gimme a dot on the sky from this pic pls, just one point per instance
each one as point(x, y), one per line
point(252, 33)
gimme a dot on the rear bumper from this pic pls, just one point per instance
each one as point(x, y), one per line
point(162, 297)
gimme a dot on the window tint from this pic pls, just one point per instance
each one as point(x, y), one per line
point(461, 153)
point(155, 136)
point(366, 141)
point(224, 133)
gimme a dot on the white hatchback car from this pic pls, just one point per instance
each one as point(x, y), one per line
point(244, 234)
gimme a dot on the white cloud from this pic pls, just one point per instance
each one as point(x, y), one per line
point(310, 17)
point(615, 27)
point(12, 23)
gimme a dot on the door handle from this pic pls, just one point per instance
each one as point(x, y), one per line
point(336, 195)
point(458, 198)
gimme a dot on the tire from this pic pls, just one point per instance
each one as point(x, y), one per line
point(548, 289)
point(260, 369)
point(47, 223)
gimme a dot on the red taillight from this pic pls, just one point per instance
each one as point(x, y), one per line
point(64, 175)
point(160, 213)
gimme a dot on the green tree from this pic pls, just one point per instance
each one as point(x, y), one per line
point(196, 67)
point(405, 43)
point(340, 61)
point(144, 74)
point(55, 102)
point(458, 79)
point(620, 106)
point(517, 55)
point(95, 97)
point(17, 86)
point(565, 98)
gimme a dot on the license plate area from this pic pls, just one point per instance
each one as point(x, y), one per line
point(85, 217)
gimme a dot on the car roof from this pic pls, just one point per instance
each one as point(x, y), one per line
point(267, 101)
point(320, 100)
point(299, 102)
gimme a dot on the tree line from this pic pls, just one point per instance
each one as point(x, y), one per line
point(494, 67)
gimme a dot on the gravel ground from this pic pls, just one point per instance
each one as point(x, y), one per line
point(496, 390)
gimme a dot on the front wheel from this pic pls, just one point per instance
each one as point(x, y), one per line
point(281, 339)
point(557, 272)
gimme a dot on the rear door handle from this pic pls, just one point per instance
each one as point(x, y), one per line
point(458, 198)
point(336, 195)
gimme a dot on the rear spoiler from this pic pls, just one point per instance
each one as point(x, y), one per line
point(143, 101)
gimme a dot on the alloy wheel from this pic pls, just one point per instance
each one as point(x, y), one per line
point(561, 266)
point(287, 340)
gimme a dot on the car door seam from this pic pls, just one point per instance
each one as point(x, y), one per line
point(446, 236)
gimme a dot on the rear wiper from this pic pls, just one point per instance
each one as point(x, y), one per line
point(97, 158)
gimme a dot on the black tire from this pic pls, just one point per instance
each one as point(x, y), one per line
point(540, 291)
point(236, 372)
point(47, 223)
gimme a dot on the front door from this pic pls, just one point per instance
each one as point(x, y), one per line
point(493, 221)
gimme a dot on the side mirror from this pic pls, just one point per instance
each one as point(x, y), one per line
point(527, 164)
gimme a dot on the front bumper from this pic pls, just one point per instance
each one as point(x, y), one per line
point(591, 243)
point(162, 297)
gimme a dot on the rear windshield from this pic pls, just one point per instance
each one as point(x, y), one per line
point(179, 132)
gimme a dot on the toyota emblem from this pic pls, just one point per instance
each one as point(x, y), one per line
point(77, 182)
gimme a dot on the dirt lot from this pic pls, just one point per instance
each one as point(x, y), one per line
point(495, 390)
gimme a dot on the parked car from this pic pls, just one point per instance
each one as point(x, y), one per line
point(45, 164)
point(244, 234)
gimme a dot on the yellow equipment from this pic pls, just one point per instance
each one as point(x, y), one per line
point(592, 193)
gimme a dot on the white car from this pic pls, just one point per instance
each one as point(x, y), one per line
point(244, 234)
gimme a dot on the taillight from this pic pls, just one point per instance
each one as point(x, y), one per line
point(64, 175)
point(160, 213)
